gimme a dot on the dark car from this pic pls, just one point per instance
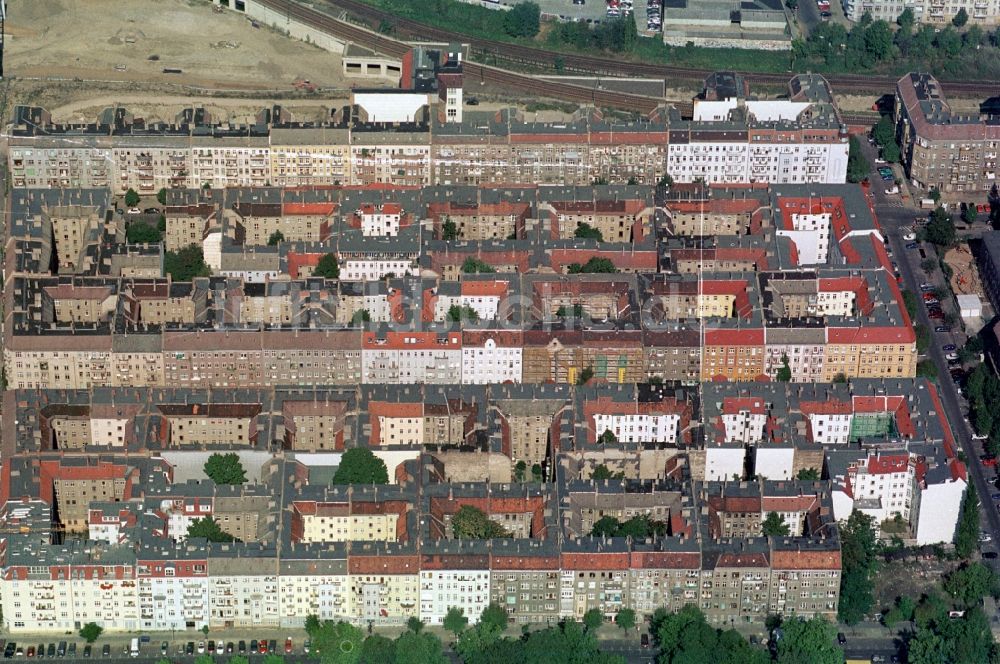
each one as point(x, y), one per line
point(41, 650)
point(942, 328)
point(948, 347)
point(644, 641)
point(242, 647)
point(8, 652)
point(51, 650)
point(151, 210)
point(211, 647)
point(72, 649)
point(106, 650)
point(189, 648)
point(61, 649)
point(272, 646)
point(229, 648)
point(841, 639)
point(936, 314)
point(912, 245)
point(88, 650)
point(990, 555)
point(253, 645)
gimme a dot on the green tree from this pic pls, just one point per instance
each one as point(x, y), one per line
point(327, 267)
point(949, 42)
point(785, 372)
point(585, 231)
point(858, 166)
point(607, 438)
point(185, 264)
point(471, 522)
point(967, 529)
point(494, 614)
point(906, 20)
point(808, 642)
point(593, 265)
point(474, 265)
point(139, 232)
point(359, 465)
point(859, 563)
point(225, 469)
point(422, 648)
point(276, 238)
point(961, 18)
point(208, 528)
point(360, 317)
point(840, 377)
point(337, 642)
point(685, 637)
point(312, 624)
point(891, 153)
point(935, 195)
point(926, 647)
point(161, 196)
point(774, 526)
point(523, 20)
point(584, 377)
point(884, 131)
point(806, 474)
point(969, 214)
point(902, 611)
point(377, 649)
point(455, 620)
point(593, 619)
point(559, 63)
point(941, 228)
point(131, 197)
point(625, 618)
point(459, 312)
point(91, 632)
point(602, 472)
point(971, 582)
point(161, 225)
point(414, 624)
point(449, 230)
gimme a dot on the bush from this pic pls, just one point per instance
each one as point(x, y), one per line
point(523, 20)
point(132, 198)
point(139, 232)
point(185, 264)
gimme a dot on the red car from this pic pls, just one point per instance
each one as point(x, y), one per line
point(288, 646)
point(989, 461)
point(263, 647)
point(930, 296)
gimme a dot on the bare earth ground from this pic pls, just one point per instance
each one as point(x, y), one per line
point(63, 54)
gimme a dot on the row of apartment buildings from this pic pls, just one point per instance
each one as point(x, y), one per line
point(380, 554)
point(732, 138)
point(717, 282)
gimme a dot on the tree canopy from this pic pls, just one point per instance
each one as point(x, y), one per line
point(859, 562)
point(967, 529)
point(185, 264)
point(587, 232)
point(523, 20)
point(637, 527)
point(941, 228)
point(225, 469)
point(132, 197)
point(449, 230)
point(625, 618)
point(473, 265)
point(276, 238)
point(494, 614)
point(808, 642)
point(685, 637)
point(359, 465)
point(594, 265)
point(327, 267)
point(858, 166)
point(470, 522)
point(971, 582)
point(91, 632)
point(774, 526)
point(139, 232)
point(459, 312)
point(455, 620)
point(566, 643)
point(208, 528)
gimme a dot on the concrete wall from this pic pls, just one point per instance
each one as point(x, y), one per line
point(280, 21)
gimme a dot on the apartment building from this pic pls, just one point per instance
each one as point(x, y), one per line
point(955, 153)
point(981, 12)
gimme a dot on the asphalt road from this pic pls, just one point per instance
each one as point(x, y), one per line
point(892, 218)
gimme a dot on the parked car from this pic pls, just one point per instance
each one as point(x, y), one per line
point(272, 646)
point(106, 650)
point(985, 537)
point(644, 641)
point(263, 647)
point(926, 287)
point(891, 191)
point(230, 646)
point(909, 237)
point(936, 314)
point(912, 245)
point(932, 302)
point(841, 639)
point(951, 356)
point(253, 645)
point(72, 649)
point(242, 647)
point(201, 647)
point(189, 648)
point(942, 328)
point(306, 646)
point(288, 645)
point(8, 651)
point(929, 295)
point(134, 210)
point(948, 347)
point(30, 652)
point(990, 555)
point(988, 460)
point(164, 647)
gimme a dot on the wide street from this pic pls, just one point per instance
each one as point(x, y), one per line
point(893, 217)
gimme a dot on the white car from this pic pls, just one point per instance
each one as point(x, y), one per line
point(985, 537)
point(134, 211)
point(880, 161)
point(892, 190)
point(951, 356)
point(909, 237)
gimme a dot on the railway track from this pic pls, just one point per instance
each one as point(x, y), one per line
point(524, 84)
point(844, 83)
